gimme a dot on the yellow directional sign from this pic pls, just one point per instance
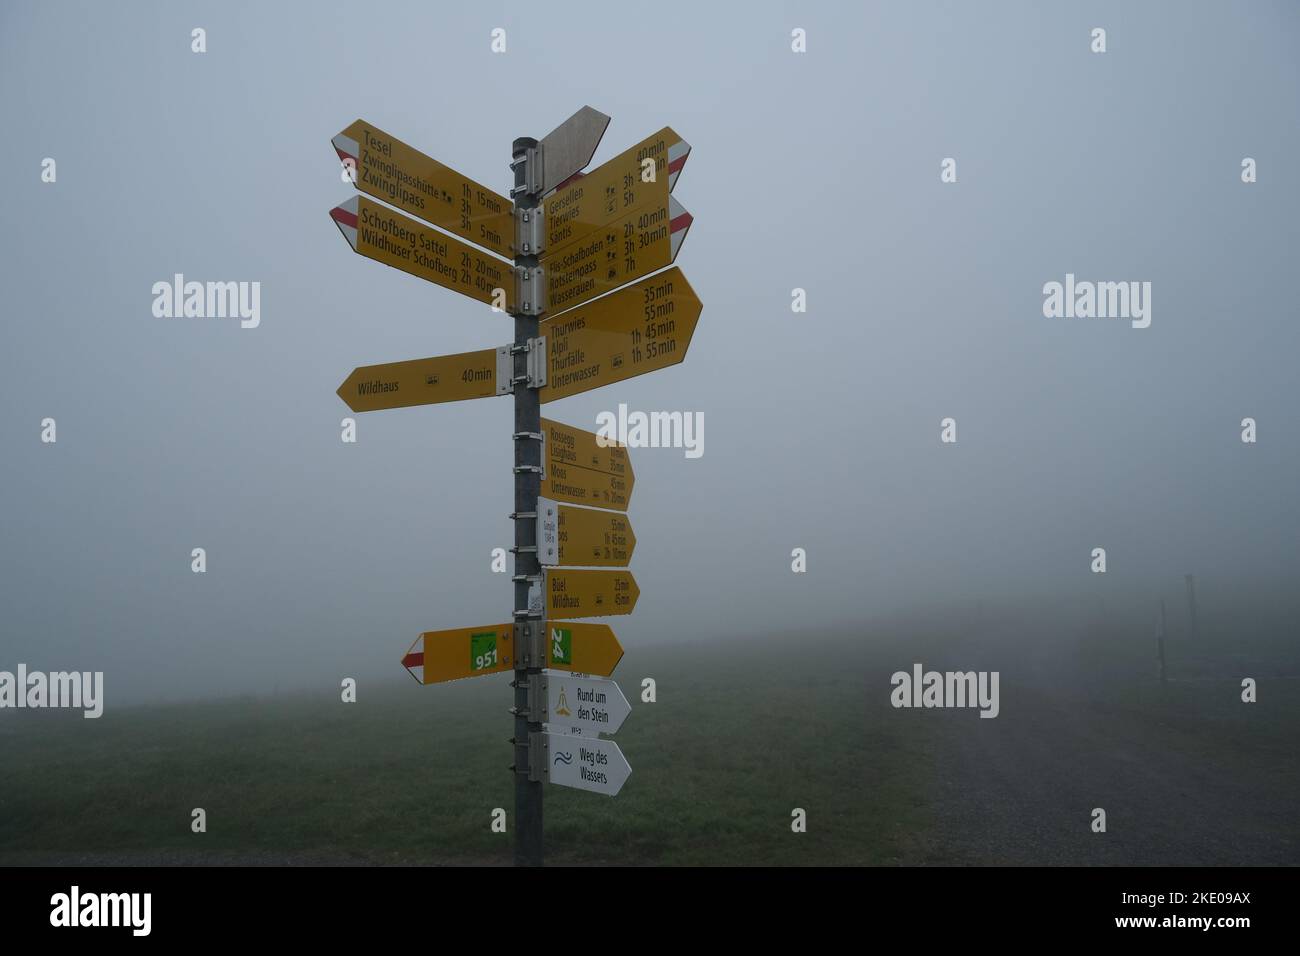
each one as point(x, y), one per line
point(633, 246)
point(581, 471)
point(634, 178)
point(443, 378)
point(438, 656)
point(388, 169)
point(567, 445)
point(584, 648)
point(639, 329)
point(386, 236)
point(589, 593)
point(589, 538)
point(583, 537)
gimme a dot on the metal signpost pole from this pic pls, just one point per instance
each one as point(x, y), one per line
point(527, 470)
point(620, 317)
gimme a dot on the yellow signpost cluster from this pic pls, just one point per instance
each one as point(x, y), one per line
point(581, 263)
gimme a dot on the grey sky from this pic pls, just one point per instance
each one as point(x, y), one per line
point(818, 171)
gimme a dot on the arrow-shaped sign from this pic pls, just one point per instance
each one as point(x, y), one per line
point(583, 537)
point(379, 233)
point(580, 470)
point(570, 146)
point(443, 378)
point(642, 328)
point(386, 168)
point(582, 648)
point(438, 656)
point(585, 706)
point(571, 594)
point(592, 201)
point(586, 763)
point(643, 241)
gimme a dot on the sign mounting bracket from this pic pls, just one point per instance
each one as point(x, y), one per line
point(530, 289)
point(530, 234)
point(537, 362)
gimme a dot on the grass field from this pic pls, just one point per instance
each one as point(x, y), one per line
point(742, 733)
point(411, 774)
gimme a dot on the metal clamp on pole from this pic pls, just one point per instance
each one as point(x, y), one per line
point(530, 289)
point(505, 371)
point(537, 362)
point(534, 610)
point(530, 643)
point(536, 699)
point(530, 237)
point(531, 181)
point(539, 759)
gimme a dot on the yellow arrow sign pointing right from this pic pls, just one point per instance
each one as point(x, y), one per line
point(377, 232)
point(584, 648)
point(642, 328)
point(589, 593)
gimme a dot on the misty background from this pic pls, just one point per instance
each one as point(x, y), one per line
point(818, 171)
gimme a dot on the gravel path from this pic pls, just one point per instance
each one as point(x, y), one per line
point(1020, 789)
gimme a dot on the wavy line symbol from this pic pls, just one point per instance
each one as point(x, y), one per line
point(562, 757)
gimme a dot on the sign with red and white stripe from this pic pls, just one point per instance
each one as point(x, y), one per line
point(384, 167)
point(385, 235)
point(438, 656)
point(642, 242)
point(644, 174)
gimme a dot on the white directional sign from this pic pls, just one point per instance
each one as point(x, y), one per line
point(584, 706)
point(586, 763)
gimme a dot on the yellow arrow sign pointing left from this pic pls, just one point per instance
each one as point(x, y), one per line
point(438, 656)
point(380, 233)
point(388, 169)
point(443, 378)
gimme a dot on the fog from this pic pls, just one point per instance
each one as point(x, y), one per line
point(817, 171)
